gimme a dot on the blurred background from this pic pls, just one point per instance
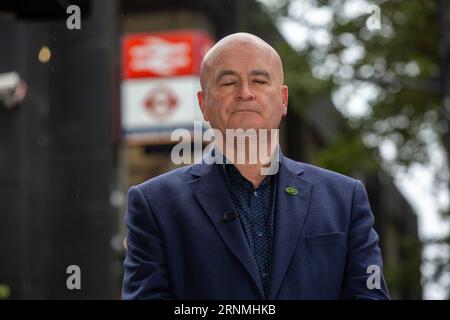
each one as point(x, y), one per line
point(90, 92)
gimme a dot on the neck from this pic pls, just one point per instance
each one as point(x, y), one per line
point(251, 172)
point(244, 161)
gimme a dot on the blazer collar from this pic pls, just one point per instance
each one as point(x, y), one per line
point(210, 190)
point(290, 215)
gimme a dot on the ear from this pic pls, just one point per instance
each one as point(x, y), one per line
point(285, 96)
point(201, 103)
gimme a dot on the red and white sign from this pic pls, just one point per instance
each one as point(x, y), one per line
point(161, 102)
point(160, 82)
point(164, 54)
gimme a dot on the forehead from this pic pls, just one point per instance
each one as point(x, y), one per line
point(243, 62)
point(225, 73)
point(242, 57)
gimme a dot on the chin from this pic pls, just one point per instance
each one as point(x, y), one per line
point(246, 123)
point(246, 126)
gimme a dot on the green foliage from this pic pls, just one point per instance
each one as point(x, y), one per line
point(347, 155)
point(401, 61)
point(403, 274)
point(302, 86)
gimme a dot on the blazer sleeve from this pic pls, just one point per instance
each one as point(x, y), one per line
point(145, 269)
point(364, 255)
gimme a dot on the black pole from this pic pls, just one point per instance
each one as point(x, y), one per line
point(444, 64)
point(57, 156)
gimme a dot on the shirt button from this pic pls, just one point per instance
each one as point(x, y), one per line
point(260, 234)
point(255, 193)
point(264, 275)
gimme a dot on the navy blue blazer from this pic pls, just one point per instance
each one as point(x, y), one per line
point(180, 248)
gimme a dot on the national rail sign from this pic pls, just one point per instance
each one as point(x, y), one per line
point(160, 80)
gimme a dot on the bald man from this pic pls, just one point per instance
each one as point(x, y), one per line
point(228, 229)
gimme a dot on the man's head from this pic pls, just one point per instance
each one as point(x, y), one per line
point(242, 84)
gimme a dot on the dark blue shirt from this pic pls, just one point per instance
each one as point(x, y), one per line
point(255, 209)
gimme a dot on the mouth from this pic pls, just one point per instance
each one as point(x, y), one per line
point(244, 110)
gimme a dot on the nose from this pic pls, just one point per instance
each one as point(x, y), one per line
point(245, 93)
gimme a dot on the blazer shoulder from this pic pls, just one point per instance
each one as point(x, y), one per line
point(170, 179)
point(317, 174)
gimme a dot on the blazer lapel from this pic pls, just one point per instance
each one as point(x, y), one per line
point(290, 216)
point(210, 190)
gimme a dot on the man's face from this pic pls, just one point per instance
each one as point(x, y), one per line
point(243, 89)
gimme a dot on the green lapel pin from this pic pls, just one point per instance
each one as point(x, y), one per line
point(291, 191)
